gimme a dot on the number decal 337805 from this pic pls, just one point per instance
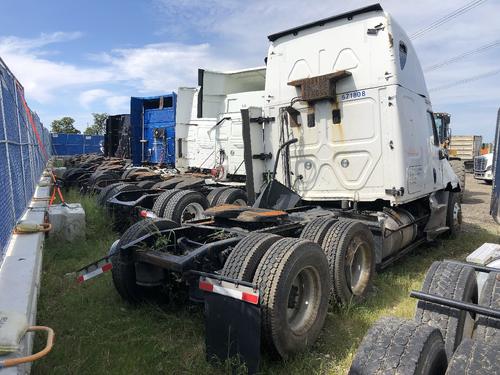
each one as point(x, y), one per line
point(353, 95)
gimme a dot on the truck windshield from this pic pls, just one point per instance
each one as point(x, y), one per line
point(440, 128)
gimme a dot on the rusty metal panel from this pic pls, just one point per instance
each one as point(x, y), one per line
point(319, 87)
point(255, 216)
point(225, 210)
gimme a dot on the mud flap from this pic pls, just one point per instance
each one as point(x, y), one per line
point(232, 324)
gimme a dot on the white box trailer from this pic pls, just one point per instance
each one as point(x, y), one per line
point(211, 140)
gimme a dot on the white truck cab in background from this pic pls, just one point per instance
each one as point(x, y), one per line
point(211, 139)
point(483, 167)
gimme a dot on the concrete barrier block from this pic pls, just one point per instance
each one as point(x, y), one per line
point(59, 171)
point(68, 221)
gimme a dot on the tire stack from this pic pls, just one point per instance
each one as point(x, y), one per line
point(441, 339)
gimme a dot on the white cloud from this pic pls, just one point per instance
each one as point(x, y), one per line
point(23, 45)
point(118, 104)
point(41, 77)
point(89, 96)
point(165, 66)
point(153, 68)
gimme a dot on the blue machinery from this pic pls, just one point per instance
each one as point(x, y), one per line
point(153, 129)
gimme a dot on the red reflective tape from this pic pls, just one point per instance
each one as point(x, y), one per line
point(251, 298)
point(31, 121)
point(107, 267)
point(203, 285)
point(94, 273)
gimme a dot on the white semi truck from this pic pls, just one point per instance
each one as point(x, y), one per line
point(211, 141)
point(346, 174)
point(483, 167)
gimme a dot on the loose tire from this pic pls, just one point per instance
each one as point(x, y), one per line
point(474, 357)
point(293, 280)
point(232, 196)
point(488, 329)
point(454, 215)
point(123, 271)
point(162, 201)
point(349, 248)
point(459, 169)
point(184, 206)
point(455, 281)
point(243, 261)
point(317, 229)
point(398, 346)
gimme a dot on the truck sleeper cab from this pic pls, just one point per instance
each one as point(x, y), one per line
point(211, 140)
point(153, 129)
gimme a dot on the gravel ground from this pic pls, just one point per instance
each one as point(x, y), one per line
point(476, 206)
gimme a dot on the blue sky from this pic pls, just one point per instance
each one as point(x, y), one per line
point(74, 58)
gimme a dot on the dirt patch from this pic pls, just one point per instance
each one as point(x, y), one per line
point(476, 206)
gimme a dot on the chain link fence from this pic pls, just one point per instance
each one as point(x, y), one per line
point(24, 151)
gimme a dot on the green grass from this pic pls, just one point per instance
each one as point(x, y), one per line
point(98, 333)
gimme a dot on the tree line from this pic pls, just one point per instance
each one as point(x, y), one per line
point(67, 125)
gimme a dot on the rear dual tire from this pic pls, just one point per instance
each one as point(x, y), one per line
point(294, 283)
point(349, 248)
point(243, 261)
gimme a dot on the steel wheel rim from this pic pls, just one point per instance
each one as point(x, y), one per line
point(357, 266)
point(304, 298)
point(193, 211)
